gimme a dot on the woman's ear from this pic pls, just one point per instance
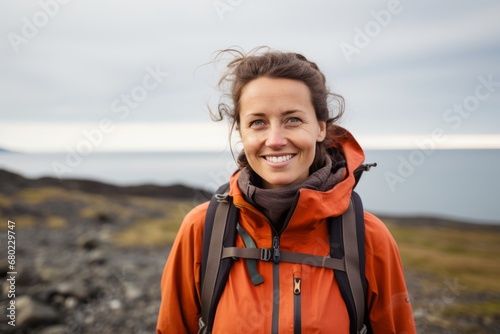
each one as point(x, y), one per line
point(322, 132)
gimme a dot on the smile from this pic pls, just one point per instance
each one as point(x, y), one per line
point(280, 158)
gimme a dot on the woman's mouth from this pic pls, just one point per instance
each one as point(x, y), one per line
point(278, 158)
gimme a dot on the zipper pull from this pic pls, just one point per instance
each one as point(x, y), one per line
point(276, 249)
point(296, 285)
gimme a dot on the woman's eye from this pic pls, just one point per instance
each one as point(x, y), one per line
point(257, 122)
point(294, 120)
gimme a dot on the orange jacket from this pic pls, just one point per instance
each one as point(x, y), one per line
point(245, 308)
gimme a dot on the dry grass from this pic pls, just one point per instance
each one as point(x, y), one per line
point(479, 309)
point(39, 195)
point(148, 221)
point(21, 221)
point(147, 232)
point(5, 201)
point(55, 222)
point(452, 252)
point(94, 208)
point(93, 205)
point(467, 256)
point(154, 231)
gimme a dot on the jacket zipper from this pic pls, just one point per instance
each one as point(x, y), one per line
point(276, 285)
point(276, 269)
point(297, 305)
point(276, 258)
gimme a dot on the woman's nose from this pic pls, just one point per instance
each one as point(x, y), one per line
point(276, 137)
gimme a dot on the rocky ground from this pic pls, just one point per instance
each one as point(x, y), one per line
point(87, 257)
point(74, 275)
point(71, 281)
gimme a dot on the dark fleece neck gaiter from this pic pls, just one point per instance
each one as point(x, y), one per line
point(275, 204)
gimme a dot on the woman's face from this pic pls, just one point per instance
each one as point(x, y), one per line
point(279, 130)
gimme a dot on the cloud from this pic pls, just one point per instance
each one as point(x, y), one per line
point(113, 137)
point(426, 59)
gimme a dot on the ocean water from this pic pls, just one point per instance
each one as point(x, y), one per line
point(458, 184)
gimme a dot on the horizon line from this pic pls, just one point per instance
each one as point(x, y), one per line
point(209, 137)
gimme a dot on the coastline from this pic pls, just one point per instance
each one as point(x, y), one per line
point(436, 189)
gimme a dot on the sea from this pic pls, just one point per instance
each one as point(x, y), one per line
point(452, 184)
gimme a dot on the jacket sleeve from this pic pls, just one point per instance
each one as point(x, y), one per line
point(180, 284)
point(388, 300)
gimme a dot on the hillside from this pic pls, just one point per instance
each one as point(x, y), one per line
point(11, 183)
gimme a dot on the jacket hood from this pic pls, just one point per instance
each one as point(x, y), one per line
point(317, 205)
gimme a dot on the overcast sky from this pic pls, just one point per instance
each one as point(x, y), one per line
point(135, 71)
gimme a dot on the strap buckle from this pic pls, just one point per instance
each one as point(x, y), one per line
point(222, 198)
point(202, 328)
point(266, 254)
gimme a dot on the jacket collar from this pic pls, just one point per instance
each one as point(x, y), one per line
point(314, 206)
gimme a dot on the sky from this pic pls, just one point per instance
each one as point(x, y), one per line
point(139, 76)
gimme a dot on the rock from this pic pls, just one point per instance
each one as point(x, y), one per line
point(4, 267)
point(96, 256)
point(58, 300)
point(51, 274)
point(88, 241)
point(132, 292)
point(115, 304)
point(70, 302)
point(56, 329)
point(31, 313)
point(103, 217)
point(43, 293)
point(57, 268)
point(419, 313)
point(93, 291)
point(75, 288)
point(5, 288)
point(487, 320)
point(27, 277)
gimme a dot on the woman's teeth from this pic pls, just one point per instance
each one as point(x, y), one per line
point(280, 158)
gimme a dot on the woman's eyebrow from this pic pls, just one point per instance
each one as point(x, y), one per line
point(284, 113)
point(293, 111)
point(255, 114)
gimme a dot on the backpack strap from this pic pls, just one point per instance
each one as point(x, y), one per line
point(249, 243)
point(347, 258)
point(347, 240)
point(266, 254)
point(219, 231)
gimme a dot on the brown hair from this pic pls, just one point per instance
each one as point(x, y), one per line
point(263, 62)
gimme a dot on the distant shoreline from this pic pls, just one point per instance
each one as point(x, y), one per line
point(2, 150)
point(10, 181)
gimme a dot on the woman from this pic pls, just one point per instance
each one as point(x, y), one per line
point(296, 170)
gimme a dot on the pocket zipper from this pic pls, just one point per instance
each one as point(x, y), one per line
point(297, 291)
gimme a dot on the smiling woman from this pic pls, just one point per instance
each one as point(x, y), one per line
point(296, 170)
point(279, 130)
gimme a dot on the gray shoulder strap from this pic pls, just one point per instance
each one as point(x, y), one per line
point(351, 257)
point(213, 261)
